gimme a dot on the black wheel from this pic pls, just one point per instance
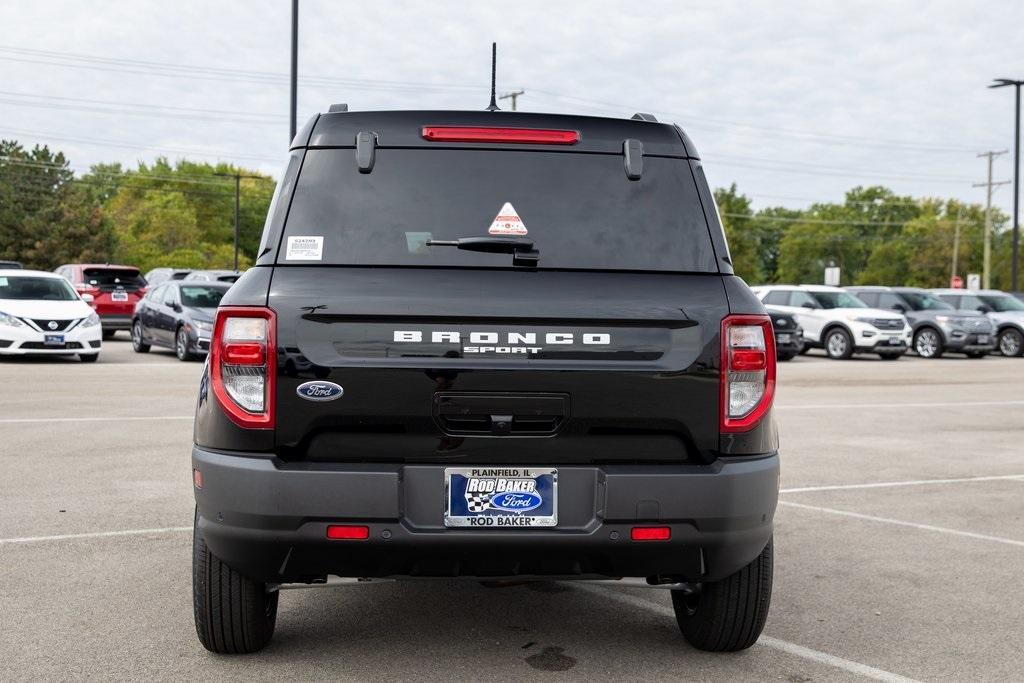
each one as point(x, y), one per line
point(804, 349)
point(88, 357)
point(181, 349)
point(890, 356)
point(1011, 342)
point(928, 343)
point(838, 344)
point(138, 345)
point(727, 615)
point(234, 614)
point(786, 356)
point(976, 354)
point(108, 334)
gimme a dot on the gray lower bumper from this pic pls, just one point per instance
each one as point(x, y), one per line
point(268, 519)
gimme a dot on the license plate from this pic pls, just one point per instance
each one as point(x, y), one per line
point(500, 497)
point(983, 339)
point(895, 341)
point(119, 296)
point(53, 340)
point(784, 338)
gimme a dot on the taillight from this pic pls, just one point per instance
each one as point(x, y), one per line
point(536, 136)
point(748, 371)
point(242, 352)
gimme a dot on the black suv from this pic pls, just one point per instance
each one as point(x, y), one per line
point(486, 344)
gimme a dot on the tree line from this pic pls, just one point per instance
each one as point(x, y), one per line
point(182, 214)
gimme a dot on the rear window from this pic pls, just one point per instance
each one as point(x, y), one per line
point(113, 276)
point(580, 210)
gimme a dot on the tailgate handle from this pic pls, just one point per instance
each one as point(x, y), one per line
point(479, 414)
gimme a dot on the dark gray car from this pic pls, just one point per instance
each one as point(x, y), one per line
point(937, 326)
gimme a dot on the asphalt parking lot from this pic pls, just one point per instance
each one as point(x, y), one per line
point(899, 546)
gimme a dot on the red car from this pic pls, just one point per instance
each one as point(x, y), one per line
point(111, 290)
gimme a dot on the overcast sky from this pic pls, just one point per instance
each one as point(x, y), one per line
point(794, 102)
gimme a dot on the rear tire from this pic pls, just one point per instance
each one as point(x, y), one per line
point(108, 334)
point(727, 615)
point(838, 344)
point(138, 343)
point(88, 357)
point(804, 349)
point(928, 343)
point(233, 614)
point(890, 356)
point(1011, 342)
point(786, 356)
point(976, 354)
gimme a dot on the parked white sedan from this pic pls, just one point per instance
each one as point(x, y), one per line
point(40, 313)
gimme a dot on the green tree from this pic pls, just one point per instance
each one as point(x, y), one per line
point(734, 209)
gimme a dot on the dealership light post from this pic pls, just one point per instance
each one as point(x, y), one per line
point(295, 67)
point(1015, 256)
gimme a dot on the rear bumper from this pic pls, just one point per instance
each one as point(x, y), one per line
point(115, 321)
point(268, 520)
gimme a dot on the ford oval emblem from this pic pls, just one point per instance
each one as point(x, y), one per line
point(516, 501)
point(319, 391)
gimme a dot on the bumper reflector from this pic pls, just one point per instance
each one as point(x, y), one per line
point(651, 533)
point(197, 479)
point(346, 532)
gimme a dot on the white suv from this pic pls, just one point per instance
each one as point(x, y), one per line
point(839, 322)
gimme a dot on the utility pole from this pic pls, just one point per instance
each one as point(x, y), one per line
point(238, 200)
point(986, 267)
point(295, 73)
point(514, 95)
point(956, 242)
point(1002, 83)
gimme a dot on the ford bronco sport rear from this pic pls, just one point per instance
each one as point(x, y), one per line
point(481, 344)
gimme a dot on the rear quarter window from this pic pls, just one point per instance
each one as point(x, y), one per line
point(581, 210)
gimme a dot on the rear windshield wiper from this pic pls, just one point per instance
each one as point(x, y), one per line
point(523, 253)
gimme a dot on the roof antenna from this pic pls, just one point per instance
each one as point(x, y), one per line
point(493, 106)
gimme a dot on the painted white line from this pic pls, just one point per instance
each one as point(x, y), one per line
point(912, 525)
point(854, 406)
point(914, 482)
point(50, 420)
point(94, 534)
point(764, 641)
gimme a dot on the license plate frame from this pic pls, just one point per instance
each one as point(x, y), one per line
point(895, 341)
point(119, 296)
point(496, 494)
point(983, 339)
point(784, 337)
point(53, 340)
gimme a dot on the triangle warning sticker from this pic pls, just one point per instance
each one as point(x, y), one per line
point(507, 222)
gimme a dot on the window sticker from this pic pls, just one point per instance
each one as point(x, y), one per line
point(305, 248)
point(507, 222)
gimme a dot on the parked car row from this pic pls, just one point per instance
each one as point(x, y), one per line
point(889, 321)
point(160, 275)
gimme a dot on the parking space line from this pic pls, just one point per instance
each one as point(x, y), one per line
point(899, 522)
point(133, 418)
point(94, 534)
point(854, 406)
point(765, 641)
point(913, 482)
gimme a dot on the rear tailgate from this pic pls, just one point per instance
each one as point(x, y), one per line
point(623, 366)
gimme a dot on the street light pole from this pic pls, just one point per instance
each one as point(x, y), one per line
point(295, 68)
point(238, 200)
point(1015, 256)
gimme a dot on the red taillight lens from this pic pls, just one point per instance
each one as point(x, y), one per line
point(748, 371)
point(242, 353)
point(535, 136)
point(347, 532)
point(651, 533)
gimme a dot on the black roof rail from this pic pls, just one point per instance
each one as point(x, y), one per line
point(641, 116)
point(337, 107)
